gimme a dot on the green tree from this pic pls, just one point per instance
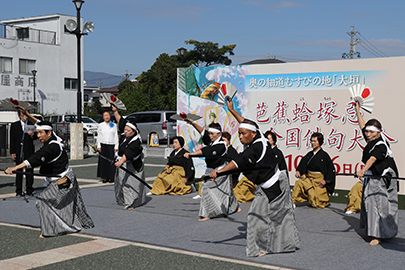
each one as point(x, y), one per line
point(92, 110)
point(157, 87)
point(162, 73)
point(132, 96)
point(208, 53)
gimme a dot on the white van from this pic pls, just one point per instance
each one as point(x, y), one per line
point(8, 116)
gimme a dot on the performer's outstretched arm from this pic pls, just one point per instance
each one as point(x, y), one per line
point(360, 119)
point(195, 125)
point(230, 166)
point(197, 153)
point(238, 117)
point(29, 116)
point(116, 113)
point(368, 165)
point(10, 170)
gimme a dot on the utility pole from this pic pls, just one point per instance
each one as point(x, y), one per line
point(126, 75)
point(99, 84)
point(353, 44)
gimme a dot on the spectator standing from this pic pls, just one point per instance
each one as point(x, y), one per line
point(22, 147)
point(107, 145)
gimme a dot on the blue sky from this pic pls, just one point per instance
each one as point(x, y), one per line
point(131, 34)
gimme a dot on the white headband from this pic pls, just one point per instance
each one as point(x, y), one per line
point(131, 126)
point(214, 130)
point(43, 127)
point(248, 126)
point(373, 128)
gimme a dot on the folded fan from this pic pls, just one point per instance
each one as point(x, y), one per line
point(363, 95)
point(227, 90)
point(183, 116)
point(114, 100)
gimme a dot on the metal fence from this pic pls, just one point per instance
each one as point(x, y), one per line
point(27, 34)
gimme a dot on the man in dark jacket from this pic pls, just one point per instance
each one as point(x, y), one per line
point(22, 138)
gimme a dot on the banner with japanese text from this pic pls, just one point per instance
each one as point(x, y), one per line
point(296, 99)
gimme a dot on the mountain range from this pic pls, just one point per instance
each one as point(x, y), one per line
point(94, 79)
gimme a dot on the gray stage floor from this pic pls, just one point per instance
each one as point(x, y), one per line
point(329, 239)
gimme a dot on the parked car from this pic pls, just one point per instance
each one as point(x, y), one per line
point(38, 116)
point(90, 125)
point(154, 122)
point(61, 118)
point(60, 123)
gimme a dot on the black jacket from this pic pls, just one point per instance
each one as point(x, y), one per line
point(16, 134)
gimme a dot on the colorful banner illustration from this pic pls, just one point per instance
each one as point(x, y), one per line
point(295, 100)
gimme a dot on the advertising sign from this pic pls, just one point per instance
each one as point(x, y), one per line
point(295, 100)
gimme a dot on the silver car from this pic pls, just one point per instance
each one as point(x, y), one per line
point(158, 122)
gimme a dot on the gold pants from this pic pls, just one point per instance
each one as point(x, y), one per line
point(199, 187)
point(244, 190)
point(306, 189)
point(171, 181)
point(354, 198)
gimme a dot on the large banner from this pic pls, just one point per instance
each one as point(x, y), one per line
point(296, 99)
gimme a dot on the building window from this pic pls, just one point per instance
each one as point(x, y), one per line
point(6, 65)
point(27, 66)
point(70, 84)
point(23, 33)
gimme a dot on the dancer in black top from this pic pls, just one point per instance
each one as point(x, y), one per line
point(271, 216)
point(129, 191)
point(217, 198)
point(60, 205)
point(379, 205)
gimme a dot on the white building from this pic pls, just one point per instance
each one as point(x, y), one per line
point(42, 44)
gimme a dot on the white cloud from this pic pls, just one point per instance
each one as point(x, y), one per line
point(275, 7)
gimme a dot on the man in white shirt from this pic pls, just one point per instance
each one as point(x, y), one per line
point(107, 145)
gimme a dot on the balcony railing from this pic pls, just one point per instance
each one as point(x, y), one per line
point(27, 34)
point(2, 30)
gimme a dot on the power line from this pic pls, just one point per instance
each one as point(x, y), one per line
point(375, 48)
point(364, 43)
point(370, 50)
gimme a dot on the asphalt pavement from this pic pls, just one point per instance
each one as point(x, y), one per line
point(165, 233)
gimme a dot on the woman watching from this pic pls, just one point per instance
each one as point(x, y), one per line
point(107, 145)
